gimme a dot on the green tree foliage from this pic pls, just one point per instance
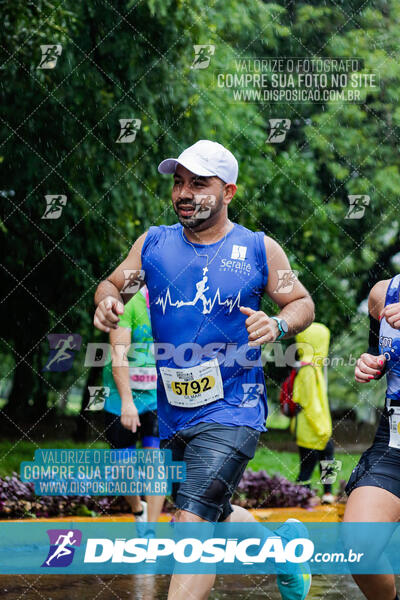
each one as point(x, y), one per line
point(125, 59)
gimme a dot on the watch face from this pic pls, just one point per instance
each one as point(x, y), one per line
point(284, 326)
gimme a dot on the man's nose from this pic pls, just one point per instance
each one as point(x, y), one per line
point(186, 191)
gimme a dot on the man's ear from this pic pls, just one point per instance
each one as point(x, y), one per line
point(229, 191)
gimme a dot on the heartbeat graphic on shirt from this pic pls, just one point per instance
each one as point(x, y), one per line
point(208, 303)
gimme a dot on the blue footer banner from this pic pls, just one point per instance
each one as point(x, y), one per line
point(162, 548)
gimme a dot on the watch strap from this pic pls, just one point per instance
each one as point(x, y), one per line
point(282, 333)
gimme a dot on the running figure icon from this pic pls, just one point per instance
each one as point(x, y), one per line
point(62, 550)
point(62, 346)
point(201, 288)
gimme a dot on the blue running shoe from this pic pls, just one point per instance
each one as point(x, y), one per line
point(294, 586)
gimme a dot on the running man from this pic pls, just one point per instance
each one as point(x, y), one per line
point(131, 407)
point(203, 414)
point(374, 485)
point(201, 288)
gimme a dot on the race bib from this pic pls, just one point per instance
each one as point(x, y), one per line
point(143, 378)
point(394, 424)
point(195, 386)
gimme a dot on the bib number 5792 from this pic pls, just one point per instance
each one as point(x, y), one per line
point(189, 388)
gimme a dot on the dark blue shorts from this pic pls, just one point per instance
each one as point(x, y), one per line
point(120, 437)
point(216, 457)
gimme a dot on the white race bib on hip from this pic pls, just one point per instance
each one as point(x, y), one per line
point(394, 425)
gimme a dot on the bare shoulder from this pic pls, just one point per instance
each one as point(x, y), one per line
point(140, 241)
point(376, 298)
point(272, 248)
point(270, 243)
point(138, 244)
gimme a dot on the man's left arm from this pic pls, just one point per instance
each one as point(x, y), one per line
point(283, 287)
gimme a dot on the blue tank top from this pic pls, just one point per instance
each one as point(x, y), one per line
point(389, 344)
point(190, 303)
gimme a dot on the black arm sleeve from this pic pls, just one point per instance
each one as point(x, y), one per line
point(373, 340)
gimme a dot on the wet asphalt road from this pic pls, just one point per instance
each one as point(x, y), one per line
point(149, 587)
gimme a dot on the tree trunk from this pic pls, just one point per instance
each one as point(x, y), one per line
point(18, 408)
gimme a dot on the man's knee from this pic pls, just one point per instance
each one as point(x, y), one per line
point(184, 516)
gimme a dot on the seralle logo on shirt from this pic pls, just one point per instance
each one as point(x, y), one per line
point(237, 263)
point(239, 252)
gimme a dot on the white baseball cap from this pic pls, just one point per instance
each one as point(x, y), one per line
point(205, 158)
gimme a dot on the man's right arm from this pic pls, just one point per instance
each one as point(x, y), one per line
point(108, 297)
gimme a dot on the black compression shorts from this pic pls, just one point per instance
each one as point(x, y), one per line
point(216, 457)
point(379, 466)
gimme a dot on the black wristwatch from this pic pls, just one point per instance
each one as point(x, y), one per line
point(282, 326)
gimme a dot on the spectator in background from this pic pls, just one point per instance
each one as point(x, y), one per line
point(313, 424)
point(131, 407)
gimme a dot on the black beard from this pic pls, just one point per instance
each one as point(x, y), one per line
point(194, 221)
point(190, 222)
